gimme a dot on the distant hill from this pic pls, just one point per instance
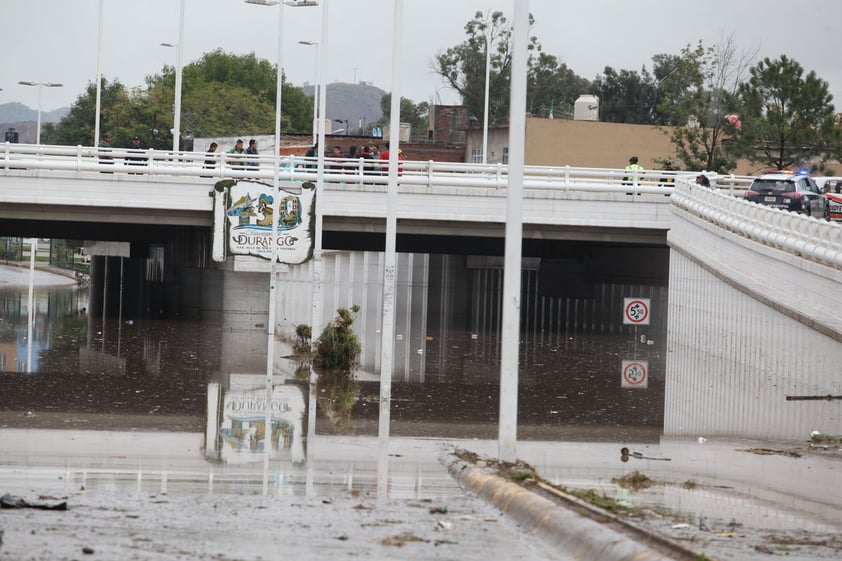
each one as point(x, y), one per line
point(15, 112)
point(24, 120)
point(352, 102)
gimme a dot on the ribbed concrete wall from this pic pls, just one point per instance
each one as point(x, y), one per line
point(733, 361)
point(751, 324)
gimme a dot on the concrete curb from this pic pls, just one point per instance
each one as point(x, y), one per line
point(68, 273)
point(580, 537)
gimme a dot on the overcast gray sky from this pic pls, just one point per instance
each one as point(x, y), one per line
point(56, 40)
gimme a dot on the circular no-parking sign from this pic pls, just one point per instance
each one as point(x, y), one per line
point(636, 311)
point(635, 374)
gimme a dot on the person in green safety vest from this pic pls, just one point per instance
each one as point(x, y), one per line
point(634, 171)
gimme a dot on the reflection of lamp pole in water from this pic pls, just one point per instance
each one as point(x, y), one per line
point(104, 297)
point(30, 320)
point(120, 309)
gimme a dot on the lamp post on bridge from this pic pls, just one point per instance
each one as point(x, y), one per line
point(270, 346)
point(98, 79)
point(40, 86)
point(316, 44)
point(176, 121)
point(487, 25)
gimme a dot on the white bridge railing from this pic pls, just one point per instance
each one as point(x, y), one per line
point(29, 159)
point(809, 238)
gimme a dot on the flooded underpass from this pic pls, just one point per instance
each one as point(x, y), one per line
point(132, 409)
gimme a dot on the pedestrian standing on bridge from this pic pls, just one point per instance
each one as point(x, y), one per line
point(311, 155)
point(104, 146)
point(634, 171)
point(668, 179)
point(237, 152)
point(135, 155)
point(336, 154)
point(210, 157)
point(252, 149)
point(384, 157)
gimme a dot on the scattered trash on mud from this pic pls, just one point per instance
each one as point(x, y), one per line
point(771, 452)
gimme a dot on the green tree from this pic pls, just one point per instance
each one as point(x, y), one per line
point(788, 117)
point(416, 115)
point(552, 87)
point(225, 94)
point(463, 66)
point(697, 94)
point(222, 95)
point(77, 127)
point(626, 96)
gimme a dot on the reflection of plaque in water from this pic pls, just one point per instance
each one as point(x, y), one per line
point(92, 360)
point(242, 425)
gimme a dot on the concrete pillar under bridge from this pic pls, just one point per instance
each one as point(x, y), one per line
point(170, 280)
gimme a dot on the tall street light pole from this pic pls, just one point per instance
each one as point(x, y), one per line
point(98, 78)
point(179, 52)
point(390, 270)
point(510, 331)
point(176, 119)
point(487, 24)
point(40, 86)
point(270, 344)
point(316, 44)
point(487, 84)
point(318, 266)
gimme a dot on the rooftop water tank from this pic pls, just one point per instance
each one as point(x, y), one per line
point(586, 108)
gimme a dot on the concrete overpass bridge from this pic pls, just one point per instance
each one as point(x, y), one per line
point(70, 189)
point(746, 297)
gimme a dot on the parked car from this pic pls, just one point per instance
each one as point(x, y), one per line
point(793, 192)
point(832, 188)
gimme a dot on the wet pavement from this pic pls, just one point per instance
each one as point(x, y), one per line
point(150, 495)
point(117, 417)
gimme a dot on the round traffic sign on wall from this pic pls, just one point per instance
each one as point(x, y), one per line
point(635, 374)
point(636, 311)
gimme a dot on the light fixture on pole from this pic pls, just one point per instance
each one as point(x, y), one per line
point(176, 121)
point(40, 85)
point(316, 44)
point(488, 27)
